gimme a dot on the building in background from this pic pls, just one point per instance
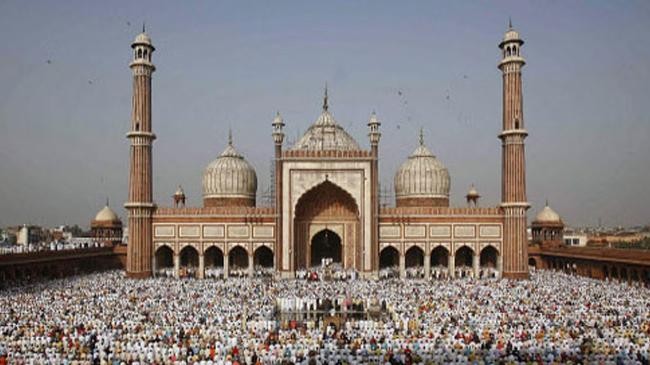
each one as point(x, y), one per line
point(327, 201)
point(106, 227)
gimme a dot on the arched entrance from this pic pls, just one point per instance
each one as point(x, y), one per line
point(263, 257)
point(439, 263)
point(414, 262)
point(388, 258)
point(238, 261)
point(189, 262)
point(326, 245)
point(164, 261)
point(326, 224)
point(488, 262)
point(532, 263)
point(213, 257)
point(463, 262)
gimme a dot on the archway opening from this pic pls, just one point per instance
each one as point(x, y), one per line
point(488, 262)
point(463, 261)
point(388, 262)
point(238, 261)
point(164, 261)
point(623, 274)
point(414, 262)
point(440, 263)
point(263, 261)
point(440, 257)
point(213, 257)
point(532, 263)
point(326, 244)
point(264, 257)
point(388, 258)
point(326, 205)
point(189, 262)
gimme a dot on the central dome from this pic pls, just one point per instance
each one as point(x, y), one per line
point(422, 180)
point(229, 180)
point(107, 215)
point(326, 134)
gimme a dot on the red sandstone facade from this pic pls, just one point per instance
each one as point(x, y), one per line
point(334, 190)
point(140, 205)
point(513, 200)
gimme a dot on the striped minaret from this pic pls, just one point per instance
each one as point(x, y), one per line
point(513, 174)
point(140, 205)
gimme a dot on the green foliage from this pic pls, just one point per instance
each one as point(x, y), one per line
point(644, 244)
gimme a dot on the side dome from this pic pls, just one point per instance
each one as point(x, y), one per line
point(326, 134)
point(422, 180)
point(107, 215)
point(142, 39)
point(229, 180)
point(548, 215)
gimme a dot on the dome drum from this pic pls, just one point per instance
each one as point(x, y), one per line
point(228, 202)
point(422, 202)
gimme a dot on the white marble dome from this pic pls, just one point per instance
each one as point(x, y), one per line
point(511, 35)
point(142, 38)
point(422, 176)
point(229, 176)
point(548, 215)
point(106, 215)
point(326, 134)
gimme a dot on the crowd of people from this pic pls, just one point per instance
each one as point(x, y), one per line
point(105, 318)
point(48, 247)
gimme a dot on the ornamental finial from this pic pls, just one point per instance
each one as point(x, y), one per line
point(325, 104)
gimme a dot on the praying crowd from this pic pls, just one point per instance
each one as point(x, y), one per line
point(106, 318)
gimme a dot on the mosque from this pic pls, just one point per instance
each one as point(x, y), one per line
point(326, 200)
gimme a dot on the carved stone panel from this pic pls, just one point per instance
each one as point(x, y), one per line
point(238, 232)
point(188, 231)
point(163, 231)
point(440, 231)
point(415, 231)
point(464, 231)
point(213, 231)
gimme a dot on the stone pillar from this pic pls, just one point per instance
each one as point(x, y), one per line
point(451, 266)
point(427, 265)
point(177, 265)
point(476, 262)
point(499, 266)
point(402, 265)
point(201, 273)
point(251, 266)
point(226, 269)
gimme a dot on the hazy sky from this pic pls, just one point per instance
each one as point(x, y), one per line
point(234, 64)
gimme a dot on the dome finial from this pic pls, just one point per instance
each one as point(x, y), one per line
point(547, 202)
point(106, 201)
point(509, 22)
point(421, 136)
point(325, 104)
point(229, 136)
point(143, 27)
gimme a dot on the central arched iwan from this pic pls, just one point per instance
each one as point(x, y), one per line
point(327, 206)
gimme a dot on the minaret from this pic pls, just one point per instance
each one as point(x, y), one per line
point(140, 205)
point(278, 138)
point(374, 135)
point(513, 174)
